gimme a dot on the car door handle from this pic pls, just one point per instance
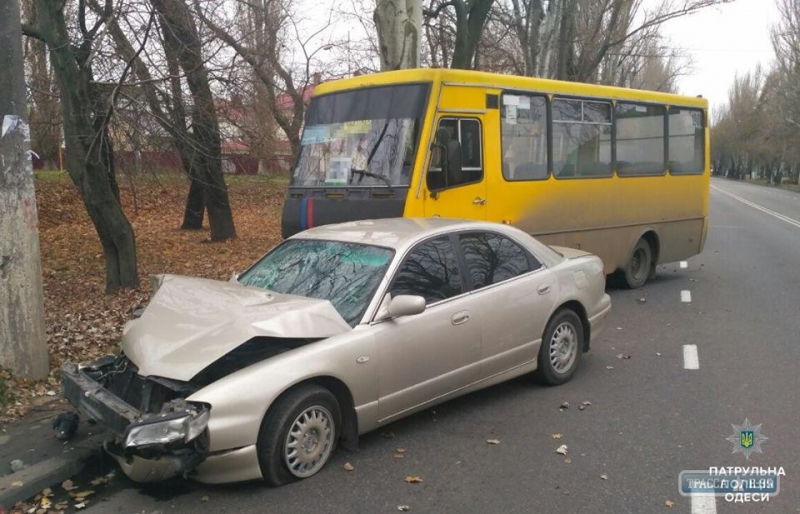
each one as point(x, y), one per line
point(459, 318)
point(479, 201)
point(543, 289)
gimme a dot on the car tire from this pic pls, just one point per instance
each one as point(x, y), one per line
point(561, 349)
point(640, 265)
point(308, 409)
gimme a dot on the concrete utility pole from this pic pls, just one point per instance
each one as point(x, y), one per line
point(23, 344)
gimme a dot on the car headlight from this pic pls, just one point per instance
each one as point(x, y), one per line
point(182, 428)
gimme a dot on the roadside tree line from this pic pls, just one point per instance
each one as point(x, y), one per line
point(756, 133)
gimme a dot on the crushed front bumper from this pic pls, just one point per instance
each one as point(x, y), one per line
point(86, 388)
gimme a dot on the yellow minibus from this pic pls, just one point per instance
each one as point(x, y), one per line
point(621, 173)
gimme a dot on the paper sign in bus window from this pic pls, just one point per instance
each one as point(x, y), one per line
point(338, 171)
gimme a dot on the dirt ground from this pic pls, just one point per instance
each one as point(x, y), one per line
point(82, 321)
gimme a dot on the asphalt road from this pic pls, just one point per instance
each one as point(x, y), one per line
point(649, 418)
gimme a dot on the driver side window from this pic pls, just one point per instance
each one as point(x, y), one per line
point(457, 154)
point(430, 271)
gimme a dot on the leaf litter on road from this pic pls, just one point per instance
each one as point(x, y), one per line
point(413, 479)
point(562, 450)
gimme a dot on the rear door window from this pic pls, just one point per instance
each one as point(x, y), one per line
point(492, 258)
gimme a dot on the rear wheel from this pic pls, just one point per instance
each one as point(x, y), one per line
point(298, 435)
point(640, 265)
point(562, 347)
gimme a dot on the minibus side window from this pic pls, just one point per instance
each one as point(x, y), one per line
point(686, 141)
point(640, 139)
point(581, 138)
point(524, 132)
point(457, 154)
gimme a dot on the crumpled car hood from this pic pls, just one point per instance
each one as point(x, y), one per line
point(192, 322)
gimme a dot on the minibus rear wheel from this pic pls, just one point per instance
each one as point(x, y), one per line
point(640, 265)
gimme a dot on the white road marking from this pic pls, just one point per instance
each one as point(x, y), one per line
point(686, 296)
point(690, 358)
point(704, 504)
point(772, 213)
point(684, 264)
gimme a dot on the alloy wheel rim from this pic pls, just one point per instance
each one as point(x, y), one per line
point(309, 442)
point(563, 347)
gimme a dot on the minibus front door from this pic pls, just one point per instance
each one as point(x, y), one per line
point(455, 184)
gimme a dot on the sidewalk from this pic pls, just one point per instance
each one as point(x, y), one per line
point(46, 460)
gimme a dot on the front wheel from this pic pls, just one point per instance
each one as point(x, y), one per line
point(640, 265)
point(298, 435)
point(561, 348)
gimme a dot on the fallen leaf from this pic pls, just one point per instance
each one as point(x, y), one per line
point(62, 505)
point(493, 441)
point(204, 499)
point(557, 436)
point(80, 505)
point(586, 403)
point(67, 485)
point(562, 450)
point(41, 511)
point(658, 354)
point(564, 405)
point(81, 495)
point(348, 467)
point(97, 481)
point(609, 367)
point(669, 504)
point(399, 456)
point(17, 484)
point(400, 450)
point(46, 503)
point(568, 461)
point(413, 479)
point(403, 508)
point(47, 492)
point(604, 476)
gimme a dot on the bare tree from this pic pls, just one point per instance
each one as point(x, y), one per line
point(86, 109)
point(470, 19)
point(275, 28)
point(571, 39)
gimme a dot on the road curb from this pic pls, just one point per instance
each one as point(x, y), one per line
point(48, 472)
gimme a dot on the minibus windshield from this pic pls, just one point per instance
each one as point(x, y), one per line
point(365, 137)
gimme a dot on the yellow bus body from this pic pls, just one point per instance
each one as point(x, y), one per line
point(602, 215)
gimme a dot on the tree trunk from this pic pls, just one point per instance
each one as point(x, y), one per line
point(23, 342)
point(89, 152)
point(182, 40)
point(398, 23)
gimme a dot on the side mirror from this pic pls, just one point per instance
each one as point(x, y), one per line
point(399, 306)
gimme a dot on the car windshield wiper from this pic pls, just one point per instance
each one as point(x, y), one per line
point(365, 173)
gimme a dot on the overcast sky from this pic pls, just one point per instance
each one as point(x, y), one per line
point(722, 41)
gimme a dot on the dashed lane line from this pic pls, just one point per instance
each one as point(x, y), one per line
point(690, 358)
point(704, 504)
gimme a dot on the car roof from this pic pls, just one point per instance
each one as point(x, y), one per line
point(389, 232)
point(401, 233)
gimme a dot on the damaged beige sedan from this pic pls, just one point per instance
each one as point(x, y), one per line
point(337, 331)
